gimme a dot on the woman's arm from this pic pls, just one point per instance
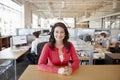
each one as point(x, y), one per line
point(74, 57)
point(42, 65)
point(107, 45)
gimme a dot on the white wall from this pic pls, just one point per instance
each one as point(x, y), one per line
point(96, 24)
point(27, 15)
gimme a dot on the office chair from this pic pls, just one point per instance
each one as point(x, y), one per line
point(117, 48)
point(5, 65)
point(31, 57)
point(39, 49)
point(87, 38)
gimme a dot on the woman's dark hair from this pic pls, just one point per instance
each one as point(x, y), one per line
point(65, 40)
point(104, 34)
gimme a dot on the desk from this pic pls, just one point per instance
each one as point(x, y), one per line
point(98, 54)
point(86, 72)
point(96, 57)
point(113, 58)
point(10, 53)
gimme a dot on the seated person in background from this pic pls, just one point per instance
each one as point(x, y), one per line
point(105, 42)
point(88, 39)
point(35, 42)
point(58, 51)
point(31, 56)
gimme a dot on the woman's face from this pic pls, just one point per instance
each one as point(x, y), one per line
point(59, 33)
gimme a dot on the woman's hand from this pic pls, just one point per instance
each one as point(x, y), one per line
point(67, 70)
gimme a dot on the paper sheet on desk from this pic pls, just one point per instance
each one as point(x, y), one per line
point(19, 49)
point(99, 55)
point(24, 48)
point(15, 50)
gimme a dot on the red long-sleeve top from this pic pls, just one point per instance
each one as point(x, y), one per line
point(54, 60)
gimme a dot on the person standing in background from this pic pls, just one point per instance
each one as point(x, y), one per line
point(59, 52)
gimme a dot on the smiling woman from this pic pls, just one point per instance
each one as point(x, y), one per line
point(58, 51)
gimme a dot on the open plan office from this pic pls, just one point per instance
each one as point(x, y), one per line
point(94, 31)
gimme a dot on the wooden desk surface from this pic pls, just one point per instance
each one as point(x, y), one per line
point(88, 72)
point(13, 54)
point(114, 55)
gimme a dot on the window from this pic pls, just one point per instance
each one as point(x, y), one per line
point(10, 17)
point(46, 23)
point(112, 22)
point(35, 21)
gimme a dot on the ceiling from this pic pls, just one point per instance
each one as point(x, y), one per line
point(72, 8)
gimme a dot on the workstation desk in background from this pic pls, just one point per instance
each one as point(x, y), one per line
point(86, 72)
point(14, 54)
point(97, 57)
point(113, 58)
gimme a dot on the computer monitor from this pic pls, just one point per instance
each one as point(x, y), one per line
point(83, 33)
point(46, 31)
point(19, 40)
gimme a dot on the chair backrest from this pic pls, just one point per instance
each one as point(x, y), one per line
point(117, 48)
point(88, 38)
point(39, 49)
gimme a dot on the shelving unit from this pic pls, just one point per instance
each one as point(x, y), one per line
point(4, 42)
